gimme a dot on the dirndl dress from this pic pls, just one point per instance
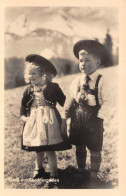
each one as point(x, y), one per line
point(42, 130)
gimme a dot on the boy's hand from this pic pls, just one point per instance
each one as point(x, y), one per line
point(64, 127)
point(24, 118)
point(100, 119)
point(80, 96)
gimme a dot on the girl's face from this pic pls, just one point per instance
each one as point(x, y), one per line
point(88, 64)
point(35, 76)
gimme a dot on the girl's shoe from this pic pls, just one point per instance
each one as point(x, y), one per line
point(39, 173)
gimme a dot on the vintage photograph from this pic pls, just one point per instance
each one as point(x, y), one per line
point(61, 112)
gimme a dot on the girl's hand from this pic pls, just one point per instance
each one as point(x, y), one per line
point(24, 118)
point(64, 127)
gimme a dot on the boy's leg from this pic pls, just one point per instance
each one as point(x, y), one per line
point(81, 155)
point(51, 155)
point(95, 158)
point(94, 144)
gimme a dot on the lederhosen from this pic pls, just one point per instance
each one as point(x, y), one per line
point(85, 127)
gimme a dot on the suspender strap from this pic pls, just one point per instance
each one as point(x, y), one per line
point(96, 89)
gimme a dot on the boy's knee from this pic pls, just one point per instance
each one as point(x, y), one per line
point(95, 153)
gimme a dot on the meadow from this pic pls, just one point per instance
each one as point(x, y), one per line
point(19, 164)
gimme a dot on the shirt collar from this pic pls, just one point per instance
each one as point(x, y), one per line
point(94, 75)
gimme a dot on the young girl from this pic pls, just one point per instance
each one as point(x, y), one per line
point(42, 121)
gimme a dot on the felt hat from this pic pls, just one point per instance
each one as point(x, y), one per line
point(92, 47)
point(44, 64)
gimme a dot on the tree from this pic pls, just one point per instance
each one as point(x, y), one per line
point(108, 44)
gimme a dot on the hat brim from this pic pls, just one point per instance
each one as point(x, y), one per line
point(93, 47)
point(44, 64)
point(49, 67)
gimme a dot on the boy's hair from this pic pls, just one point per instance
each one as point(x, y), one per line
point(40, 63)
point(82, 52)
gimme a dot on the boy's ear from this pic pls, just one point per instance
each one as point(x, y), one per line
point(98, 61)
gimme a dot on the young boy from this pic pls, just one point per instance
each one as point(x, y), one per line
point(88, 105)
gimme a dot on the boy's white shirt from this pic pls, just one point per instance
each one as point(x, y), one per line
point(104, 94)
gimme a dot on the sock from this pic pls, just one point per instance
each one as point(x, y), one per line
point(81, 155)
point(39, 160)
point(95, 162)
point(52, 163)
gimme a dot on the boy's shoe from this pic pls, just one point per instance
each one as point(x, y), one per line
point(95, 183)
point(83, 171)
point(39, 173)
point(53, 183)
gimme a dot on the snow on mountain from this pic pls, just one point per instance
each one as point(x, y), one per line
point(58, 23)
point(61, 22)
point(22, 28)
point(19, 26)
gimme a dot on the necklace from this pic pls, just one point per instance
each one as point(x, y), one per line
point(39, 88)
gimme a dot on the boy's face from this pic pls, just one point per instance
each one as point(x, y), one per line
point(88, 63)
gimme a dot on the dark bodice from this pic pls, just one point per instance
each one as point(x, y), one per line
point(52, 94)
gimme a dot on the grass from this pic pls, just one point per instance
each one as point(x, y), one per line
point(19, 164)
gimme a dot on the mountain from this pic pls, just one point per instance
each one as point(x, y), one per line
point(19, 27)
point(58, 33)
point(38, 40)
point(33, 40)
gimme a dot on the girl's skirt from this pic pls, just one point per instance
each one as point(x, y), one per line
point(42, 131)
